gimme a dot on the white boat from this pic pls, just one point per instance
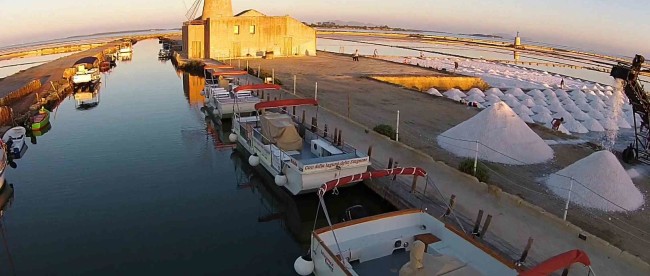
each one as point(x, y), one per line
point(240, 100)
point(409, 243)
point(14, 139)
point(85, 76)
point(298, 156)
point(126, 47)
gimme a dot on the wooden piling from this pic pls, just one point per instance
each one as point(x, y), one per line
point(302, 121)
point(336, 135)
point(485, 226)
point(415, 183)
point(340, 140)
point(452, 202)
point(325, 131)
point(525, 253)
point(314, 124)
point(395, 166)
point(477, 224)
point(370, 151)
point(294, 110)
point(390, 163)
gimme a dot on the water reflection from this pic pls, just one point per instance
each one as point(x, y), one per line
point(85, 100)
point(192, 86)
point(296, 214)
point(124, 57)
point(6, 200)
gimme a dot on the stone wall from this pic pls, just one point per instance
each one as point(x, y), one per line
point(253, 36)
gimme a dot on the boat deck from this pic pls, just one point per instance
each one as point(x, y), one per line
point(388, 265)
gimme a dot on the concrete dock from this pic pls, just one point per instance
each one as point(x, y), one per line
point(514, 219)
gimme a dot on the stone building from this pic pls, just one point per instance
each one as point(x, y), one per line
point(220, 34)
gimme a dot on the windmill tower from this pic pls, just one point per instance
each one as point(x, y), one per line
point(216, 8)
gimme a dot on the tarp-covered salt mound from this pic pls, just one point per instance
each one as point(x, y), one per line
point(503, 138)
point(597, 174)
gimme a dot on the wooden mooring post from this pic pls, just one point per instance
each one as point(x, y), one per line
point(370, 151)
point(390, 163)
point(525, 253)
point(452, 202)
point(477, 223)
point(485, 226)
point(415, 183)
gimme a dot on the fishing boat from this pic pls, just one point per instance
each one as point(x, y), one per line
point(126, 47)
point(300, 157)
point(85, 77)
point(41, 119)
point(14, 138)
point(408, 243)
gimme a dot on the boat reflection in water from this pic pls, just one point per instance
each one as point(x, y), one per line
point(35, 133)
point(6, 199)
point(125, 56)
point(87, 99)
point(296, 213)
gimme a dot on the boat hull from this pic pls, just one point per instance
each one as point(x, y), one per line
point(40, 120)
point(300, 181)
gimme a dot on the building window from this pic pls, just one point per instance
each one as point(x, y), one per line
point(236, 29)
point(251, 29)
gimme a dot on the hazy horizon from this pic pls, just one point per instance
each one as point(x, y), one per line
point(597, 25)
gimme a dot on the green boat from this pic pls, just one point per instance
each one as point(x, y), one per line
point(41, 119)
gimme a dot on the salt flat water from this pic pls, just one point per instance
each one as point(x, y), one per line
point(136, 186)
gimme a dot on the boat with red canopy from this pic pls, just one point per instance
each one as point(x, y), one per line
point(301, 157)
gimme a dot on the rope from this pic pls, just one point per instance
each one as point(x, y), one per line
point(327, 216)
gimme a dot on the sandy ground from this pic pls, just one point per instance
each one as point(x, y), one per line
point(423, 117)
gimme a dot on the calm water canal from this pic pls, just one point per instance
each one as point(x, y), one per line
point(137, 186)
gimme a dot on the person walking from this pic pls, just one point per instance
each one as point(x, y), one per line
point(562, 83)
point(356, 55)
point(375, 53)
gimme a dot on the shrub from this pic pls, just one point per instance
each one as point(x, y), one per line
point(467, 166)
point(385, 130)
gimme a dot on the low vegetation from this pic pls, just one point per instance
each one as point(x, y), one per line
point(385, 130)
point(467, 166)
point(194, 67)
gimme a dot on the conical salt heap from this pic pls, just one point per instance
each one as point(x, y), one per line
point(503, 138)
point(604, 175)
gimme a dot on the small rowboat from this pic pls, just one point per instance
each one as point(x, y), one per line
point(41, 119)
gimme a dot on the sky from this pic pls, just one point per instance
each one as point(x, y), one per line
point(616, 27)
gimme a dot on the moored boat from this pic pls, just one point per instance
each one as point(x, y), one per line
point(409, 243)
point(41, 119)
point(126, 47)
point(14, 138)
point(87, 74)
point(298, 156)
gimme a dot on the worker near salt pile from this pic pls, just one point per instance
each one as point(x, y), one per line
point(562, 83)
point(557, 122)
point(356, 55)
point(455, 65)
point(375, 53)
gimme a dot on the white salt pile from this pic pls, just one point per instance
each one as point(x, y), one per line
point(434, 92)
point(526, 118)
point(454, 92)
point(517, 92)
point(494, 91)
point(609, 124)
point(540, 109)
point(522, 109)
point(593, 125)
point(543, 118)
point(528, 102)
point(476, 91)
point(503, 138)
point(575, 127)
point(475, 98)
point(597, 176)
point(454, 97)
